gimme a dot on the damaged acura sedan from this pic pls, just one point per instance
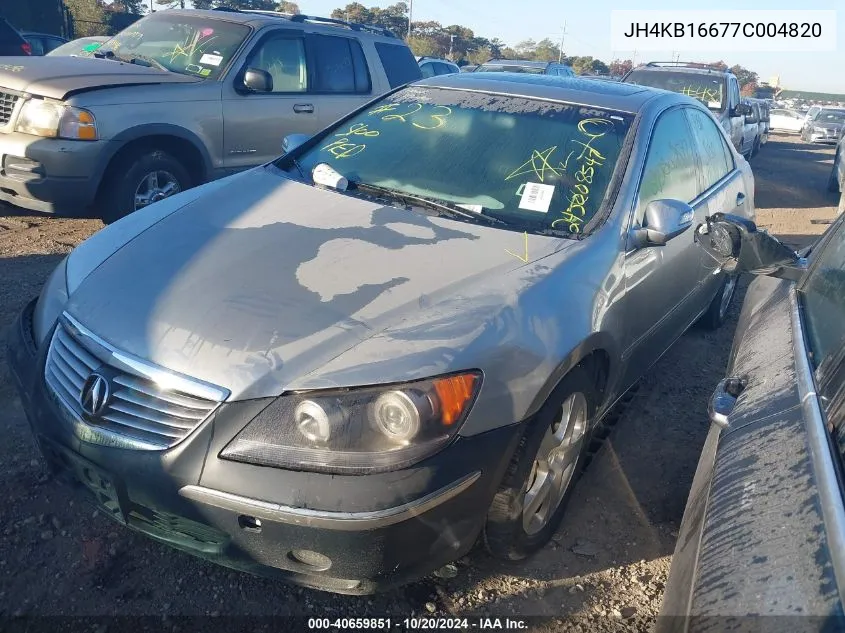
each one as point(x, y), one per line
point(346, 366)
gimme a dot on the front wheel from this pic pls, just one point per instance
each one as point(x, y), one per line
point(142, 179)
point(536, 488)
point(717, 312)
point(833, 181)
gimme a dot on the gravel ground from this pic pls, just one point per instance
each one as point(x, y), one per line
point(605, 569)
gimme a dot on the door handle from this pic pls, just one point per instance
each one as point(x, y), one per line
point(740, 198)
point(303, 108)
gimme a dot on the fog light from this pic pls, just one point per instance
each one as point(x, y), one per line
point(314, 560)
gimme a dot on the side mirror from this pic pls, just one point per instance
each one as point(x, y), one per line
point(664, 220)
point(742, 109)
point(257, 80)
point(740, 247)
point(292, 141)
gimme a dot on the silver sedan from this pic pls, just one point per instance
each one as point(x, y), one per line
point(348, 365)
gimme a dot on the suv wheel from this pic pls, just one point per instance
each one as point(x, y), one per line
point(538, 483)
point(141, 180)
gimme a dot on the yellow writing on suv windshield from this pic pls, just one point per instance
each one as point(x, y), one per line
point(572, 218)
point(702, 93)
point(343, 148)
point(540, 166)
point(389, 112)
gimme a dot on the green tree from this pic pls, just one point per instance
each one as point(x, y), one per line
point(744, 76)
point(89, 17)
point(480, 55)
point(287, 7)
point(393, 18)
point(425, 46)
point(619, 67)
point(546, 51)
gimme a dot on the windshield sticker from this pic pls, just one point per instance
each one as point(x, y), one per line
point(211, 60)
point(207, 32)
point(92, 47)
point(537, 197)
point(540, 166)
point(11, 69)
point(205, 72)
point(475, 208)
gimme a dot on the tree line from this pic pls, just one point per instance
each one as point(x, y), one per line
point(455, 42)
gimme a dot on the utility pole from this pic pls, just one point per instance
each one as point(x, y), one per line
point(451, 45)
point(410, 17)
point(562, 35)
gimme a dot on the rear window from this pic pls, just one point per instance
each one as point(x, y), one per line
point(500, 68)
point(341, 66)
point(709, 89)
point(399, 64)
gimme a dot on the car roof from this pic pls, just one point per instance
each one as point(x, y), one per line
point(260, 19)
point(611, 95)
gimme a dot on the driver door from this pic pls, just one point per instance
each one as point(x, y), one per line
point(255, 123)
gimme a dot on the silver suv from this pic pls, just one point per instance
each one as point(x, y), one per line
point(180, 98)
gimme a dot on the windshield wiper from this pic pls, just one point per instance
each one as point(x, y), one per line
point(149, 62)
point(410, 200)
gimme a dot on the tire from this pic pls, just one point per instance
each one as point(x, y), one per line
point(717, 312)
point(135, 176)
point(833, 180)
point(512, 531)
point(755, 149)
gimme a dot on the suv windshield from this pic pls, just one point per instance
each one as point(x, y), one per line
point(710, 90)
point(499, 68)
point(535, 165)
point(188, 45)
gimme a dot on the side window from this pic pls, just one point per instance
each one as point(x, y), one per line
point(335, 65)
point(52, 44)
point(427, 70)
point(284, 59)
point(823, 295)
point(399, 64)
point(442, 69)
point(670, 170)
point(712, 149)
point(37, 45)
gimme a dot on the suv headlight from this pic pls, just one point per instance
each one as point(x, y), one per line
point(359, 430)
point(56, 120)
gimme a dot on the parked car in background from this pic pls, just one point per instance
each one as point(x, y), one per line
point(432, 66)
point(752, 130)
point(42, 43)
point(763, 117)
point(12, 43)
point(716, 88)
point(80, 47)
point(809, 112)
point(784, 120)
point(151, 115)
point(383, 376)
point(521, 66)
point(765, 515)
point(824, 126)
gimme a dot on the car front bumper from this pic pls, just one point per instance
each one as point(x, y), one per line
point(346, 534)
point(824, 137)
point(49, 175)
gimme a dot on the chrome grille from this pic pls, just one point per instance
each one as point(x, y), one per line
point(139, 413)
point(7, 106)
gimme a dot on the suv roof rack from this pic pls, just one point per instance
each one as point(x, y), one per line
point(299, 17)
point(689, 65)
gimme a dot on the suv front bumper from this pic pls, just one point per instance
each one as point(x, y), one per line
point(50, 175)
point(347, 534)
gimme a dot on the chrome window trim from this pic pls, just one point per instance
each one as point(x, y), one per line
point(341, 521)
point(821, 457)
point(140, 367)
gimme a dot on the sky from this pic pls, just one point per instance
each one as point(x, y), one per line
point(588, 31)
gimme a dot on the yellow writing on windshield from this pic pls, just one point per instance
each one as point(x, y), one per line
point(343, 148)
point(192, 45)
point(702, 93)
point(589, 159)
point(436, 119)
point(359, 129)
point(540, 165)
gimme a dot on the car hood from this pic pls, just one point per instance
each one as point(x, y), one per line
point(267, 279)
point(59, 77)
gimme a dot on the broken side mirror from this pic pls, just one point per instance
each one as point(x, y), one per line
point(740, 247)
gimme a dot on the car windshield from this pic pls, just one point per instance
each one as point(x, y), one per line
point(831, 116)
point(500, 68)
point(83, 47)
point(709, 90)
point(535, 165)
point(188, 45)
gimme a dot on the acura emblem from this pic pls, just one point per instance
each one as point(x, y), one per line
point(94, 395)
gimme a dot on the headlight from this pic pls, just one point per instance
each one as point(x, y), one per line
point(50, 303)
point(818, 130)
point(360, 430)
point(56, 120)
